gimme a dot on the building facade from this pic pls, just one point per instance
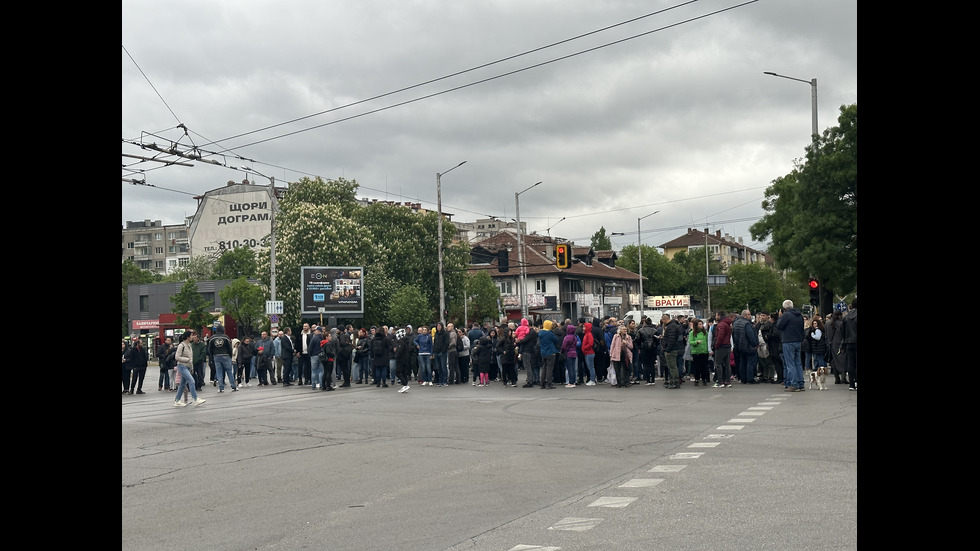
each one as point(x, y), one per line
point(591, 287)
point(156, 247)
point(725, 249)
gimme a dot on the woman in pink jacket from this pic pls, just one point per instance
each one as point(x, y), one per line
point(619, 351)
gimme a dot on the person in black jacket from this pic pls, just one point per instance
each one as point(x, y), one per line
point(286, 352)
point(138, 360)
point(850, 330)
point(344, 351)
point(440, 354)
point(815, 346)
point(380, 354)
point(166, 356)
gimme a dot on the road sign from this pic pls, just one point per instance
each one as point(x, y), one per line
point(273, 307)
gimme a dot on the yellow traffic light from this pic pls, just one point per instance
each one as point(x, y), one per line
point(562, 258)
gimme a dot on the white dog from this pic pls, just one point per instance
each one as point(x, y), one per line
point(819, 378)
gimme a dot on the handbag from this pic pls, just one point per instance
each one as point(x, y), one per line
point(763, 347)
point(611, 376)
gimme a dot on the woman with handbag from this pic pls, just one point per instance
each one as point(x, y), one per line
point(620, 351)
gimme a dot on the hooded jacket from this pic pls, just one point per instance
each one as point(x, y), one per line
point(548, 341)
point(587, 339)
point(521, 331)
point(723, 333)
point(568, 343)
point(790, 325)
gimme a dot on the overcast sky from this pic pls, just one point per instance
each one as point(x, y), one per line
point(661, 106)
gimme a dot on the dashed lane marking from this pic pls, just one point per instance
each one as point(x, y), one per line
point(523, 547)
point(740, 420)
point(687, 455)
point(576, 524)
point(666, 468)
point(612, 502)
point(641, 483)
point(704, 444)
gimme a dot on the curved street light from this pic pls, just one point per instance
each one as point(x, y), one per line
point(813, 93)
point(522, 283)
point(442, 284)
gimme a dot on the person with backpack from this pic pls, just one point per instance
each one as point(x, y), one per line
point(380, 354)
point(649, 344)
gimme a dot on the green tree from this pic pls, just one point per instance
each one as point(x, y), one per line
point(601, 241)
point(315, 227)
point(691, 264)
point(409, 305)
point(484, 297)
point(811, 213)
point(199, 268)
point(191, 307)
point(245, 303)
point(752, 286)
point(132, 275)
point(236, 263)
point(660, 276)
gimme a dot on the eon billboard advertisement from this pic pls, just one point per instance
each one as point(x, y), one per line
point(339, 290)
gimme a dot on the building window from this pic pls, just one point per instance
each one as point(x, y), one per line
point(158, 236)
point(539, 286)
point(157, 250)
point(144, 303)
point(505, 287)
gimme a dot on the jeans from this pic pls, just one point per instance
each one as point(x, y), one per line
point(164, 381)
point(440, 368)
point(392, 367)
point(316, 371)
point(590, 364)
point(186, 381)
point(792, 368)
point(571, 370)
point(425, 368)
point(223, 363)
point(749, 361)
point(364, 369)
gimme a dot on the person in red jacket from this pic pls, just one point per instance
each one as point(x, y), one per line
point(722, 350)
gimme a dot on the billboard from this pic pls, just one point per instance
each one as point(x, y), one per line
point(338, 290)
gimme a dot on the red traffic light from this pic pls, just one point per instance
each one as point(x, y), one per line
point(813, 283)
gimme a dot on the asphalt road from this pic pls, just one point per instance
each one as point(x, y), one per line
point(494, 468)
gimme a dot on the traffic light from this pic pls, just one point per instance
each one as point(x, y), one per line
point(502, 260)
point(814, 291)
point(562, 258)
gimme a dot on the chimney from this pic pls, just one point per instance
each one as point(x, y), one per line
point(718, 234)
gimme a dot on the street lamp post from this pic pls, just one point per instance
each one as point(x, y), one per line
point(442, 284)
point(272, 234)
point(813, 93)
point(639, 258)
point(522, 284)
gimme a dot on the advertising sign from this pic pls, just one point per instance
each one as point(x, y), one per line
point(332, 290)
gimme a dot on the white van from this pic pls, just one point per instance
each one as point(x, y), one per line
point(654, 315)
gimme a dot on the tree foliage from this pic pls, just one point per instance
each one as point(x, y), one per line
point(691, 264)
point(811, 213)
point(191, 307)
point(236, 263)
point(484, 297)
point(601, 241)
point(199, 268)
point(752, 286)
point(245, 303)
point(409, 305)
point(660, 276)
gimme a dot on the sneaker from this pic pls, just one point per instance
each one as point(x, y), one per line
point(199, 401)
point(220, 390)
point(728, 385)
point(404, 388)
point(179, 404)
point(650, 384)
point(317, 387)
point(235, 389)
point(214, 383)
point(852, 388)
point(382, 386)
point(570, 385)
point(590, 383)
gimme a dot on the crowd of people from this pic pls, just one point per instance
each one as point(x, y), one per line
point(775, 348)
